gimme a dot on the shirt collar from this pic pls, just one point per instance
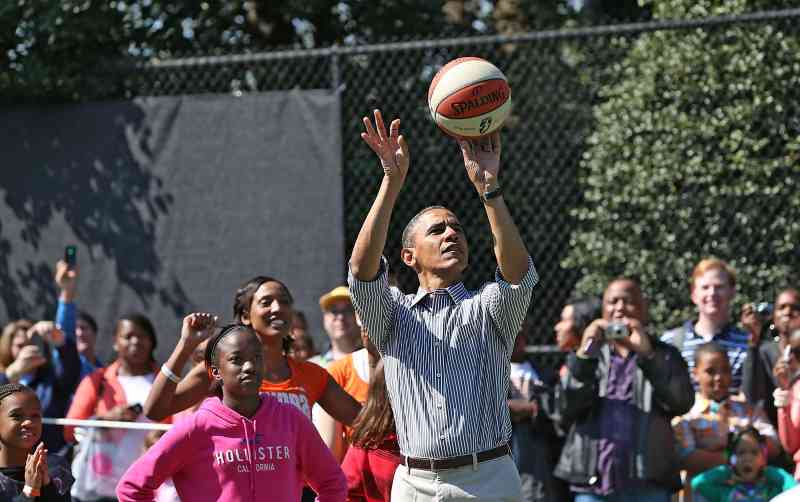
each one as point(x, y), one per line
point(457, 292)
point(723, 333)
point(702, 404)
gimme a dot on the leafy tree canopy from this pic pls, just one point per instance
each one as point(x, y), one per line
point(695, 154)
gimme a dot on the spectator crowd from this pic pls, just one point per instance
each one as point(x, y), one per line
point(423, 396)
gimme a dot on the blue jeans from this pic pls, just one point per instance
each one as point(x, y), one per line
point(651, 495)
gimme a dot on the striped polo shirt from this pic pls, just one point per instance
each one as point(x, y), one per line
point(446, 359)
point(733, 339)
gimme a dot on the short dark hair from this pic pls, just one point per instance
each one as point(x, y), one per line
point(143, 322)
point(709, 348)
point(408, 232)
point(88, 319)
point(212, 359)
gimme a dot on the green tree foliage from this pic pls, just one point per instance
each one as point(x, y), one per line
point(695, 154)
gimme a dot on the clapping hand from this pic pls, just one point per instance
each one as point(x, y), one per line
point(390, 148)
point(36, 472)
point(197, 328)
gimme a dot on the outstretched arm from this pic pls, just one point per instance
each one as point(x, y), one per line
point(482, 162)
point(392, 151)
point(167, 397)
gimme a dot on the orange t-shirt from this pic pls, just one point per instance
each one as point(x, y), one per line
point(302, 389)
point(344, 373)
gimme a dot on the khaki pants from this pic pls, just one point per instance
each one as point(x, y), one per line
point(493, 480)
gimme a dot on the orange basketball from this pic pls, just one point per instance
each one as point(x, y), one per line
point(469, 97)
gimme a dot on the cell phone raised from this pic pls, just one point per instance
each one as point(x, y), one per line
point(71, 255)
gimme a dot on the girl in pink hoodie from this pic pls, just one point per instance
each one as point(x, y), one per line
point(238, 446)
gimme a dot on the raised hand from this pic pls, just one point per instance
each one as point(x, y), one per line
point(638, 341)
point(390, 148)
point(196, 328)
point(482, 160)
point(751, 323)
point(30, 357)
point(67, 280)
point(48, 331)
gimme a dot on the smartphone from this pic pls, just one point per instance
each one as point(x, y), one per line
point(71, 256)
point(787, 353)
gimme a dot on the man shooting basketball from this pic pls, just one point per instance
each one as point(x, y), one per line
point(446, 349)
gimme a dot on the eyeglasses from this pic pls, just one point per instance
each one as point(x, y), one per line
point(340, 311)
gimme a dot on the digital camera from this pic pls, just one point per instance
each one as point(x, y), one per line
point(616, 331)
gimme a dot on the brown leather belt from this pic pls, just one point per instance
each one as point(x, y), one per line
point(440, 464)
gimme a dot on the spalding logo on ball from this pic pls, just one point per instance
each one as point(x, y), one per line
point(469, 97)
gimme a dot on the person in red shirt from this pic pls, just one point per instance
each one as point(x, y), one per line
point(373, 455)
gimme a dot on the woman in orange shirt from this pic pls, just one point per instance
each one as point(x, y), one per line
point(265, 304)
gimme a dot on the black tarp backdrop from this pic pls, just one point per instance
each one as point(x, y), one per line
point(173, 203)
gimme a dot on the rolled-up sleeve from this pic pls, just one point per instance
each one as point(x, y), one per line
point(376, 304)
point(508, 303)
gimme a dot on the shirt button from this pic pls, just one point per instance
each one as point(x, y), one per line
point(439, 405)
point(441, 437)
point(438, 375)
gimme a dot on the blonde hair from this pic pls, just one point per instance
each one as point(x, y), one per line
point(707, 264)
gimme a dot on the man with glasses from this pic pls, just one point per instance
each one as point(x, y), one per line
point(339, 322)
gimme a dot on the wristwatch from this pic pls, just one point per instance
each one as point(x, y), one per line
point(497, 192)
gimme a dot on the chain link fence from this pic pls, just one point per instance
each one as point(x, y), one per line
point(555, 77)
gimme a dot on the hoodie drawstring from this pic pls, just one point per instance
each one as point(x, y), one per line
point(250, 457)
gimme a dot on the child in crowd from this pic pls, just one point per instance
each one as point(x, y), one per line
point(238, 443)
point(374, 455)
point(745, 476)
point(702, 434)
point(26, 473)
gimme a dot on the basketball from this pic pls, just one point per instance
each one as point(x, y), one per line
point(469, 97)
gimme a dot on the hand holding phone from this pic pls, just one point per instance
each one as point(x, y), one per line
point(71, 256)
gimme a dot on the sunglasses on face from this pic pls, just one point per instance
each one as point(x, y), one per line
point(340, 311)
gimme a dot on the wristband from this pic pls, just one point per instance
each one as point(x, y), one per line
point(497, 192)
point(30, 491)
point(169, 374)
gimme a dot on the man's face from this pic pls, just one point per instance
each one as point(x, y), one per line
point(787, 311)
point(623, 299)
point(85, 336)
point(440, 243)
point(712, 293)
point(339, 321)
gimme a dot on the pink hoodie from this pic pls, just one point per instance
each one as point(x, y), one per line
point(217, 454)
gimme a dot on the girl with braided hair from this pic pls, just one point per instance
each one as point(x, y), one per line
point(26, 471)
point(239, 443)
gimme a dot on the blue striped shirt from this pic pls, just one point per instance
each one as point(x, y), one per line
point(446, 357)
point(734, 340)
